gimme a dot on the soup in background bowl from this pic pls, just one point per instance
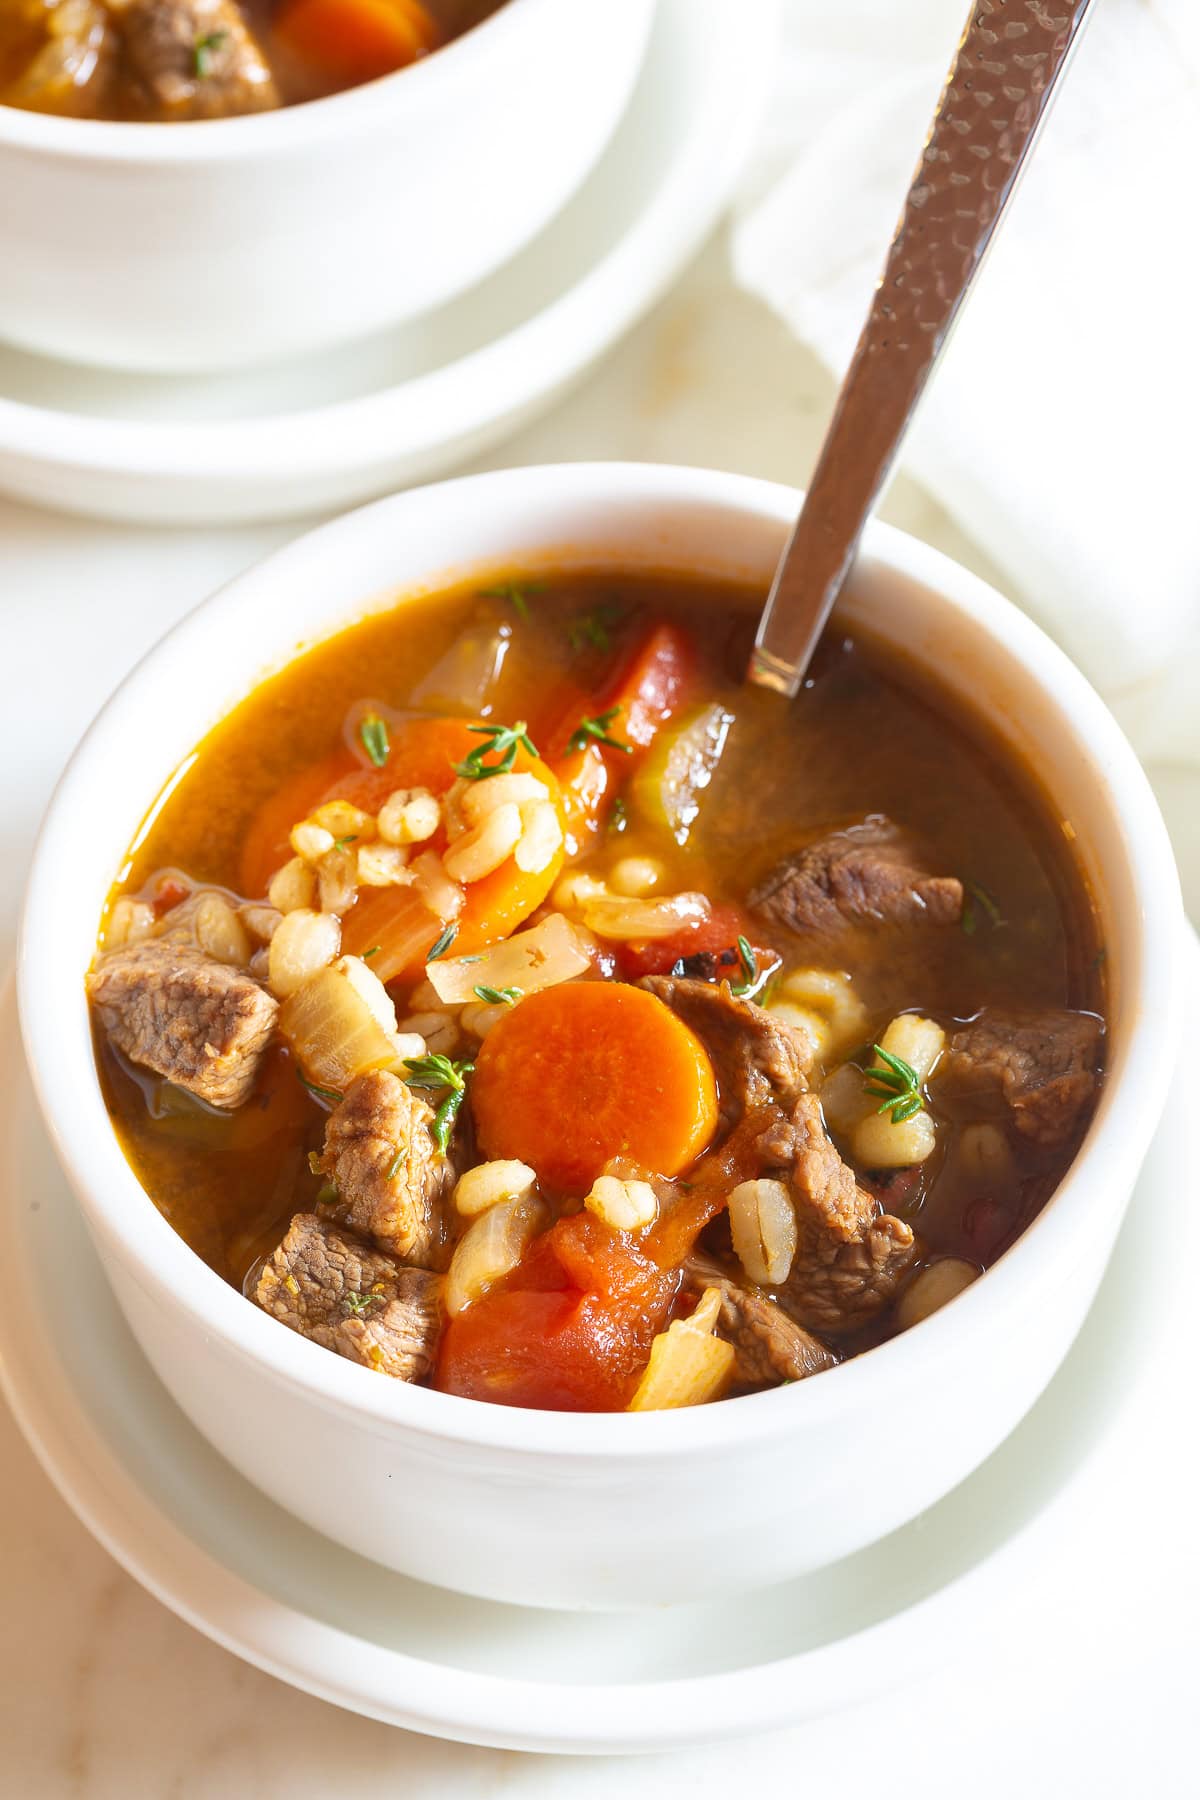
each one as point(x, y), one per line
point(213, 227)
point(784, 1023)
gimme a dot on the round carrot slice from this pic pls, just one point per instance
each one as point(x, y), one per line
point(588, 1071)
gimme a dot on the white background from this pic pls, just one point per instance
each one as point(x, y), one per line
point(1085, 1685)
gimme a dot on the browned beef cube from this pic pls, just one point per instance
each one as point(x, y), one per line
point(198, 59)
point(330, 1288)
point(868, 874)
point(198, 1022)
point(770, 1346)
point(392, 1180)
point(755, 1055)
point(1042, 1064)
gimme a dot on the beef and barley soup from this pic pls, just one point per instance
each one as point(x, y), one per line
point(507, 999)
point(158, 61)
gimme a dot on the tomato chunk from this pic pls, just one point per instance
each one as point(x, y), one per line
point(571, 1329)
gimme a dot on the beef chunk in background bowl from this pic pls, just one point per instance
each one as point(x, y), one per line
point(605, 1511)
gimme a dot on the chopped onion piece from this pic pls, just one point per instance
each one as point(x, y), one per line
point(341, 1022)
point(632, 921)
point(490, 1248)
point(688, 1365)
point(538, 958)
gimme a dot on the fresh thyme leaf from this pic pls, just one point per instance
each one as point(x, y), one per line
point(443, 944)
point(437, 1071)
point(322, 1093)
point(444, 1117)
point(500, 996)
point(327, 1193)
point(750, 974)
point(591, 629)
point(503, 743)
point(203, 50)
point(373, 951)
point(395, 1165)
point(358, 1303)
point(895, 1084)
point(374, 735)
point(340, 843)
point(516, 593)
point(975, 896)
point(597, 731)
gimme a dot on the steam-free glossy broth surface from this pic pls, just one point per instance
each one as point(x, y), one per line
point(1004, 936)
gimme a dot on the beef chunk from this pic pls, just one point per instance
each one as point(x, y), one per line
point(198, 1022)
point(391, 1178)
point(197, 58)
point(868, 874)
point(755, 1055)
point(332, 1289)
point(770, 1346)
point(850, 1255)
point(1042, 1064)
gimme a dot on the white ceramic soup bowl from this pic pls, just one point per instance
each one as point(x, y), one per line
point(602, 1511)
point(218, 243)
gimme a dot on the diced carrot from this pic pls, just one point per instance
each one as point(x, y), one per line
point(350, 41)
point(579, 1074)
point(421, 753)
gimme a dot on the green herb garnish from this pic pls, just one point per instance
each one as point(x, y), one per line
point(437, 1071)
point(374, 735)
point(503, 742)
point(443, 944)
point(327, 1193)
point(322, 1093)
point(751, 975)
point(340, 843)
point(596, 731)
point(896, 1084)
point(500, 996)
point(203, 51)
point(516, 593)
point(976, 896)
point(394, 1166)
point(618, 818)
point(373, 951)
point(591, 629)
point(358, 1303)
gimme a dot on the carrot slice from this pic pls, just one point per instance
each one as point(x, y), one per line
point(351, 41)
point(588, 1071)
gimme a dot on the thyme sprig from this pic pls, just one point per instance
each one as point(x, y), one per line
point(436, 1071)
point(374, 735)
point(443, 943)
point(499, 996)
point(752, 978)
point(503, 742)
point(597, 731)
point(895, 1084)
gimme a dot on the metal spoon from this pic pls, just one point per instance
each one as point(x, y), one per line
point(1009, 63)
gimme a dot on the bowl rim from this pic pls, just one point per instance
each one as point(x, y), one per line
point(185, 141)
point(121, 1213)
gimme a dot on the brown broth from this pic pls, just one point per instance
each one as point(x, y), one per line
point(868, 734)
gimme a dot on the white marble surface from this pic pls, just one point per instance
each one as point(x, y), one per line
point(1087, 1687)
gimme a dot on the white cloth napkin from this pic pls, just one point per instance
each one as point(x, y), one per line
point(1061, 430)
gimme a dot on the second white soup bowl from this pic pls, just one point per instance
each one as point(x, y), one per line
point(219, 243)
point(605, 1511)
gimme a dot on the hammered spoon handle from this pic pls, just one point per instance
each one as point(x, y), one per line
point(1009, 63)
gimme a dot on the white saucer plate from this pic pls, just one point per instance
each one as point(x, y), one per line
point(255, 1580)
point(405, 405)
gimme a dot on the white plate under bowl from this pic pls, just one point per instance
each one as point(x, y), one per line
point(407, 404)
point(251, 1577)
